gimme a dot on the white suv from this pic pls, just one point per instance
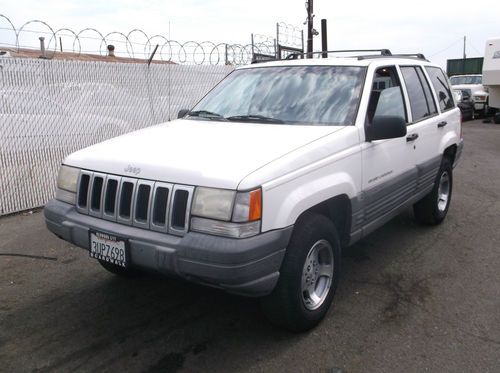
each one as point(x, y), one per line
point(259, 187)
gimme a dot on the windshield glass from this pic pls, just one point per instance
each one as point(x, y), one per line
point(304, 95)
point(471, 79)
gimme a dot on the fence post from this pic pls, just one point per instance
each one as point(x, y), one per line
point(42, 47)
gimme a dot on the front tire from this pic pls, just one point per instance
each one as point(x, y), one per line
point(308, 277)
point(432, 209)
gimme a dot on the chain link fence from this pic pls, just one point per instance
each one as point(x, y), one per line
point(51, 108)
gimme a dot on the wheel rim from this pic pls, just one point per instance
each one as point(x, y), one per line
point(317, 275)
point(443, 191)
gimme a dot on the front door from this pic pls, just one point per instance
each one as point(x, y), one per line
point(389, 174)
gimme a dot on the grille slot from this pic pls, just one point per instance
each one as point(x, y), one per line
point(142, 204)
point(126, 195)
point(83, 191)
point(179, 212)
point(95, 198)
point(110, 197)
point(179, 209)
point(158, 206)
point(95, 194)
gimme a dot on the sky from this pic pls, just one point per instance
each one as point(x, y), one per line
point(434, 28)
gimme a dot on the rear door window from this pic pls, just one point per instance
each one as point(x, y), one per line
point(421, 99)
point(440, 84)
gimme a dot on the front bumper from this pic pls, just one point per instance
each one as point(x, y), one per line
point(248, 266)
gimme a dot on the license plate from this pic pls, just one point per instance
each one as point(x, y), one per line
point(108, 248)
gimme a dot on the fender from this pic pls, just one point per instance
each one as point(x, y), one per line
point(284, 204)
point(449, 139)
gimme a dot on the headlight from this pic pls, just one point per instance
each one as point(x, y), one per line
point(227, 213)
point(66, 184)
point(224, 228)
point(67, 178)
point(213, 203)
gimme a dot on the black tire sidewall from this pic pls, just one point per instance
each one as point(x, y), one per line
point(445, 167)
point(295, 316)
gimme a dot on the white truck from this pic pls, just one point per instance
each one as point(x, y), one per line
point(472, 84)
point(491, 75)
point(259, 187)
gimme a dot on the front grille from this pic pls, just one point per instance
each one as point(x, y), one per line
point(147, 204)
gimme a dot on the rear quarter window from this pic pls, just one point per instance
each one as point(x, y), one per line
point(440, 84)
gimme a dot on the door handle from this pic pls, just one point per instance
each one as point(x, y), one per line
point(442, 124)
point(412, 137)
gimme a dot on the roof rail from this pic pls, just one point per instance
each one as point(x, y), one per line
point(418, 56)
point(296, 55)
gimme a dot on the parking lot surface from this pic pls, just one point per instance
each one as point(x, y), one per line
point(412, 298)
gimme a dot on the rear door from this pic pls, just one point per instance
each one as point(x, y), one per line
point(423, 127)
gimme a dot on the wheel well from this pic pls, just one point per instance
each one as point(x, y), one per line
point(450, 153)
point(338, 210)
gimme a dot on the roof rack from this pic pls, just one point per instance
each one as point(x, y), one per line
point(417, 56)
point(296, 55)
point(384, 53)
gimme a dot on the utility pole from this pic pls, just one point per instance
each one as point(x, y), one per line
point(465, 56)
point(465, 42)
point(309, 8)
point(324, 38)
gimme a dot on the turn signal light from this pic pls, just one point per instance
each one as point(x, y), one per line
point(255, 205)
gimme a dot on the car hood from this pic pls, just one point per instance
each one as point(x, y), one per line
point(473, 87)
point(192, 152)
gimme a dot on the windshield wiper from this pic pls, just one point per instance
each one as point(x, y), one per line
point(205, 114)
point(255, 118)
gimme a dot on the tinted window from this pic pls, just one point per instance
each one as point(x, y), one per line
point(431, 104)
point(420, 103)
point(320, 95)
point(443, 91)
point(386, 98)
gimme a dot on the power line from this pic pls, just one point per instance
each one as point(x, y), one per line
point(445, 49)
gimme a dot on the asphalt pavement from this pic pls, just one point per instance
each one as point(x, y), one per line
point(412, 299)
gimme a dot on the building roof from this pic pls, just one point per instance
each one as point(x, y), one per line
point(34, 53)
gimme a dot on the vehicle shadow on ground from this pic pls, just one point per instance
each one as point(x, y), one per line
point(153, 323)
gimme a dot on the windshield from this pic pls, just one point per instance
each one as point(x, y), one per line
point(470, 79)
point(304, 95)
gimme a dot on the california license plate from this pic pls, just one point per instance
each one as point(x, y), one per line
point(108, 248)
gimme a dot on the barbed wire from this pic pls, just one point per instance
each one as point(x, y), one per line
point(137, 44)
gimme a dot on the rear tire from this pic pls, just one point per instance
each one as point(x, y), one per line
point(119, 271)
point(432, 209)
point(309, 276)
point(496, 118)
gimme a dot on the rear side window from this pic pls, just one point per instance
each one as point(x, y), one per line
point(428, 92)
point(421, 100)
point(441, 87)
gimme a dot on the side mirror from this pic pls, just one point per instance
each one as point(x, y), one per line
point(182, 113)
point(386, 127)
point(465, 96)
